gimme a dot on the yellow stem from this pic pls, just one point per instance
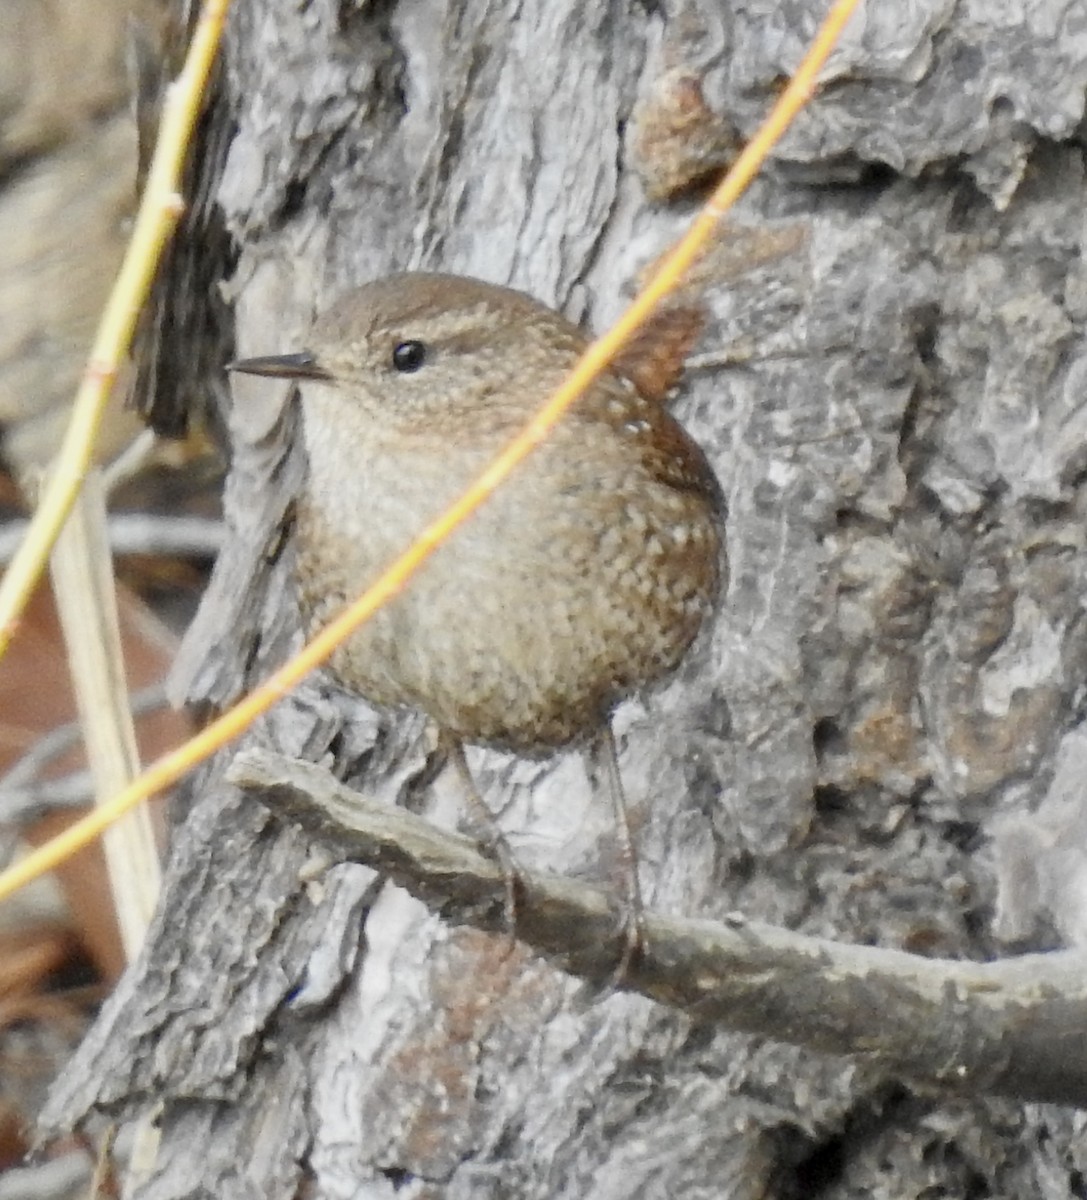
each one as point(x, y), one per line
point(158, 215)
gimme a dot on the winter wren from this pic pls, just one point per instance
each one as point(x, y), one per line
point(585, 577)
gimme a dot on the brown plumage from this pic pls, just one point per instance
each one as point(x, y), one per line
point(584, 578)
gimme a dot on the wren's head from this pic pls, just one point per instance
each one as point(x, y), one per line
point(410, 348)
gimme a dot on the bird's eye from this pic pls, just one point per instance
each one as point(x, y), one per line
point(409, 356)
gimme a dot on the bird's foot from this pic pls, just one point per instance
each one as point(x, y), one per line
point(490, 837)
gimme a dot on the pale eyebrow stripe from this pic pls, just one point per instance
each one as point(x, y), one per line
point(434, 325)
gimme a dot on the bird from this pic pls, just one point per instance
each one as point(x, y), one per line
point(582, 580)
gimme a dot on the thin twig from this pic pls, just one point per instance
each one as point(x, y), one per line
point(25, 799)
point(142, 533)
point(52, 745)
point(21, 806)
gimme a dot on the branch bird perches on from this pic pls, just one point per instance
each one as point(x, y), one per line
point(1014, 1027)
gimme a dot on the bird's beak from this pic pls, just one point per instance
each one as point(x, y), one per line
point(282, 366)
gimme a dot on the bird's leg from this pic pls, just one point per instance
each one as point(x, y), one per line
point(494, 838)
point(604, 770)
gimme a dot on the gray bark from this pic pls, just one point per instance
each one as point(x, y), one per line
point(881, 742)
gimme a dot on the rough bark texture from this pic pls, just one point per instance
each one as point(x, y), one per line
point(880, 743)
point(1010, 1026)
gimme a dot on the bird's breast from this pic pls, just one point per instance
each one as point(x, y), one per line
point(582, 578)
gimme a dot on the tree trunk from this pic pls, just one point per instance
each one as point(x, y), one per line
point(881, 741)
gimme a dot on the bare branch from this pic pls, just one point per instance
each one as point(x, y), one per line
point(141, 533)
point(1016, 1027)
point(24, 797)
